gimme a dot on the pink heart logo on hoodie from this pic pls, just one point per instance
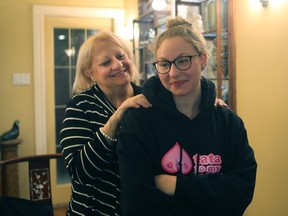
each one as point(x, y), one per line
point(170, 161)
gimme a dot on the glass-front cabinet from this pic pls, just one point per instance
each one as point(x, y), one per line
point(145, 27)
point(216, 17)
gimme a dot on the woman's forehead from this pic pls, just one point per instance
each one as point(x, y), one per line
point(175, 46)
point(106, 48)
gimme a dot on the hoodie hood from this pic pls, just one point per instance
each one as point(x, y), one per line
point(162, 99)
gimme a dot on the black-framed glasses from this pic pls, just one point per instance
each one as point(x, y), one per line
point(182, 63)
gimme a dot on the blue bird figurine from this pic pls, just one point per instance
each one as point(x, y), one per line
point(13, 133)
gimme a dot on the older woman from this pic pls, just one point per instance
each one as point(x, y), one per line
point(103, 92)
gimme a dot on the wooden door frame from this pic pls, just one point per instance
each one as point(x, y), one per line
point(39, 14)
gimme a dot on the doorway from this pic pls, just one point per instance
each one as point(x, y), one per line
point(58, 35)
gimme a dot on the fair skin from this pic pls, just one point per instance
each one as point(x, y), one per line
point(185, 87)
point(111, 69)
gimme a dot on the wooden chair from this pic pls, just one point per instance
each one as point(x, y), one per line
point(39, 180)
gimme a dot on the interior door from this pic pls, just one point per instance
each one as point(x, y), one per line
point(63, 37)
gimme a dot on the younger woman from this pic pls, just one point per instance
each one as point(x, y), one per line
point(184, 156)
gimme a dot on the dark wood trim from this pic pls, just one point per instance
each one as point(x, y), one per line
point(219, 48)
point(232, 56)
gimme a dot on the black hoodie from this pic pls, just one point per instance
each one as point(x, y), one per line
point(210, 155)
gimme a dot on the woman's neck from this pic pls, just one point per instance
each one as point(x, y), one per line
point(118, 95)
point(189, 105)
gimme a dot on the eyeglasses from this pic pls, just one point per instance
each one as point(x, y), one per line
point(182, 63)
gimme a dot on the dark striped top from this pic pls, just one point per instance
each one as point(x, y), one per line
point(90, 160)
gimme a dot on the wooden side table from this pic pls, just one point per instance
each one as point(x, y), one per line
point(9, 149)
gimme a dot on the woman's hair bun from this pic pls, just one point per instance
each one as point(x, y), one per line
point(178, 21)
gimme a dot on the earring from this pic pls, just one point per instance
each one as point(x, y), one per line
point(203, 67)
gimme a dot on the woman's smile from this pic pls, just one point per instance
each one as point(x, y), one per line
point(178, 83)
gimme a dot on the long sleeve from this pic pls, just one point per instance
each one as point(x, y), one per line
point(226, 193)
point(89, 159)
point(139, 196)
point(84, 147)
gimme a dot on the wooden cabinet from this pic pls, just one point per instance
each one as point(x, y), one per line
point(218, 29)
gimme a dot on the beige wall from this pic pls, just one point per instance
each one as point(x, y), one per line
point(16, 56)
point(262, 75)
point(262, 80)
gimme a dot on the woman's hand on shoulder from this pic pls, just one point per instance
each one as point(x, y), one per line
point(135, 102)
point(220, 102)
point(132, 102)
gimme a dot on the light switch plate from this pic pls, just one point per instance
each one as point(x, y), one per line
point(21, 79)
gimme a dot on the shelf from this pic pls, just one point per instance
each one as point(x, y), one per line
point(145, 28)
point(152, 16)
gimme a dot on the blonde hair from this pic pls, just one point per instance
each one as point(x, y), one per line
point(191, 32)
point(84, 60)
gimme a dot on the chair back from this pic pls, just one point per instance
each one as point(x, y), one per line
point(39, 176)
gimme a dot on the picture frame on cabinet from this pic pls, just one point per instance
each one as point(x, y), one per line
point(187, 9)
point(194, 10)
